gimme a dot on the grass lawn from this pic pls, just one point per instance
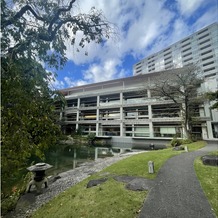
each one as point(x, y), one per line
point(208, 177)
point(110, 199)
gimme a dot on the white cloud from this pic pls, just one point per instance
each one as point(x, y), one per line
point(187, 7)
point(71, 82)
point(103, 72)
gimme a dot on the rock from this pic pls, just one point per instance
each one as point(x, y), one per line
point(56, 178)
point(134, 183)
point(96, 182)
point(138, 184)
point(210, 160)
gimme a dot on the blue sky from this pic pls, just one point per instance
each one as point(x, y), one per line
point(144, 27)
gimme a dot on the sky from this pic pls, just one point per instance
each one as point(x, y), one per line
point(144, 27)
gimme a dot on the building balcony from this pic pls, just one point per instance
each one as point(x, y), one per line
point(166, 119)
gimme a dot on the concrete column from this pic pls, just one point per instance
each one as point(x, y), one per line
point(77, 113)
point(121, 129)
point(121, 98)
point(97, 129)
point(121, 118)
point(149, 112)
point(151, 130)
point(98, 101)
point(209, 130)
point(149, 93)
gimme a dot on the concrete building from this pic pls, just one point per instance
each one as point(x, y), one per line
point(127, 117)
point(124, 111)
point(200, 48)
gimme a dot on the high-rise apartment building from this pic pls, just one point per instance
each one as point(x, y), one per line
point(200, 48)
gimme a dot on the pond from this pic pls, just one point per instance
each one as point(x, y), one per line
point(62, 159)
point(70, 158)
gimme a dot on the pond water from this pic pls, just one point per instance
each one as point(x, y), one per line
point(63, 159)
point(70, 158)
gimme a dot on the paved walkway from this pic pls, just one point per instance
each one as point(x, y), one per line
point(176, 192)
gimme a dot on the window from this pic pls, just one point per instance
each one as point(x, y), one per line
point(210, 75)
point(207, 40)
point(167, 53)
point(206, 52)
point(203, 31)
point(186, 45)
point(186, 49)
point(203, 36)
point(209, 69)
point(169, 62)
point(185, 40)
point(138, 67)
point(186, 54)
point(167, 130)
point(209, 63)
point(167, 58)
point(188, 59)
point(209, 57)
point(167, 49)
point(206, 46)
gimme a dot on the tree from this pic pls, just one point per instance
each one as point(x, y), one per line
point(39, 29)
point(181, 87)
point(213, 96)
point(34, 33)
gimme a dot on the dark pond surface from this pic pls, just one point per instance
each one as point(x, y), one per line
point(69, 158)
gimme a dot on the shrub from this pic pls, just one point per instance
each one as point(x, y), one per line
point(176, 142)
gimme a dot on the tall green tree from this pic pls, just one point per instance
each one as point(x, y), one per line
point(34, 35)
point(181, 87)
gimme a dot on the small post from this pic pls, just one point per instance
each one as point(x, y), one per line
point(150, 166)
point(186, 148)
point(96, 153)
point(74, 153)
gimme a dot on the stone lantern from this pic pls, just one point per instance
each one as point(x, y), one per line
point(39, 178)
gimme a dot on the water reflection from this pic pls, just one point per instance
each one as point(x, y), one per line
point(68, 157)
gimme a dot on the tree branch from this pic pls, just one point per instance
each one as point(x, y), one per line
point(19, 14)
point(59, 11)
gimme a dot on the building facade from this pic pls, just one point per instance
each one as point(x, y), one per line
point(125, 111)
point(200, 48)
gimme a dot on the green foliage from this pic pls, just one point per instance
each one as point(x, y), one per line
point(186, 141)
point(208, 178)
point(176, 142)
point(33, 36)
point(35, 28)
point(213, 96)
point(9, 200)
point(28, 114)
point(91, 138)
